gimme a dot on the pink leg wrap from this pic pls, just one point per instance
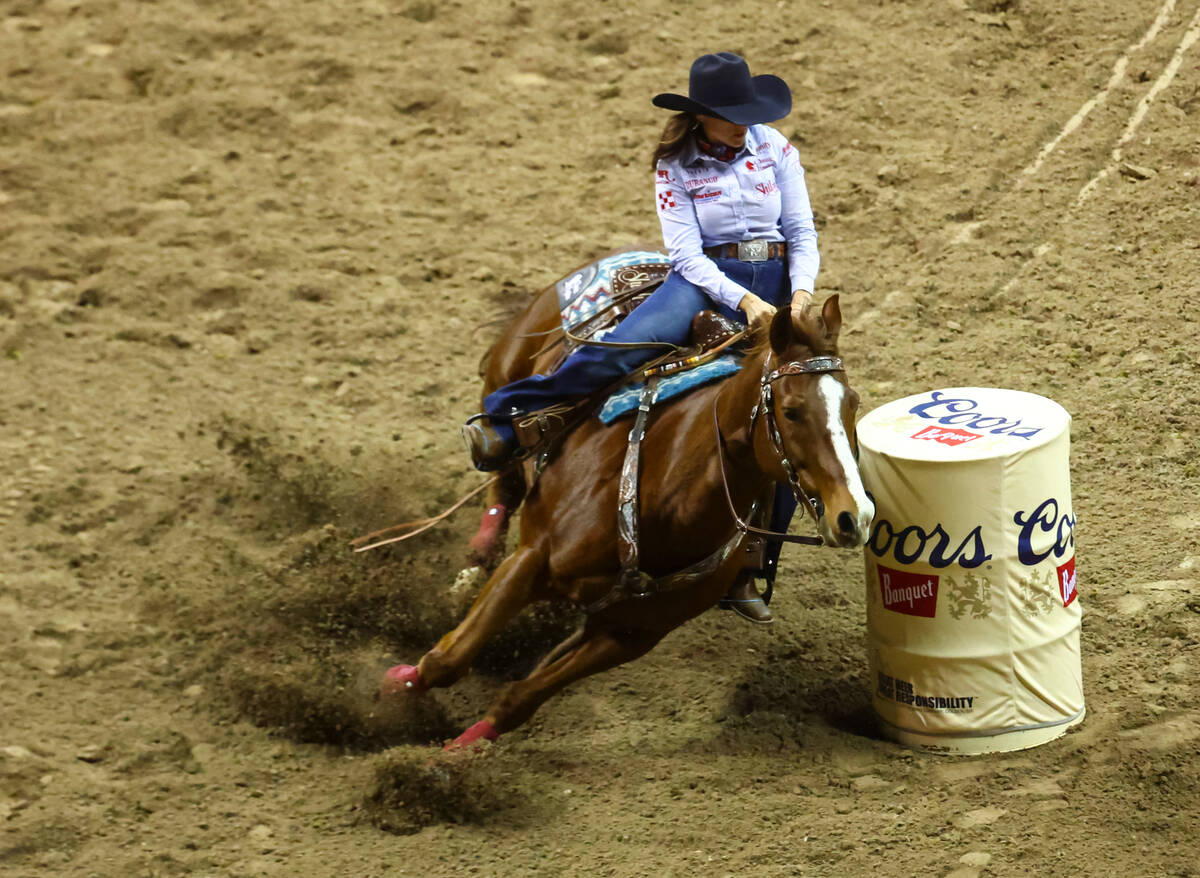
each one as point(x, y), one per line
point(481, 730)
point(400, 680)
point(484, 541)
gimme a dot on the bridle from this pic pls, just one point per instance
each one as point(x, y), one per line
point(766, 408)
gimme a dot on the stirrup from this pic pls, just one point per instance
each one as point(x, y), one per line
point(488, 450)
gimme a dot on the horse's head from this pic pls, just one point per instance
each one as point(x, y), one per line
point(814, 409)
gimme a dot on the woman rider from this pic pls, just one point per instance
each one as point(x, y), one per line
point(739, 231)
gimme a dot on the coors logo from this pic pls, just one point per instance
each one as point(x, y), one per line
point(914, 594)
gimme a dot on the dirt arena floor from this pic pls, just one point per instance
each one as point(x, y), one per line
point(249, 257)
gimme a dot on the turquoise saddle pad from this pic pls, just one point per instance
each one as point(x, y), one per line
point(626, 400)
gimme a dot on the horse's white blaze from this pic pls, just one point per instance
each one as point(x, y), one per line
point(832, 393)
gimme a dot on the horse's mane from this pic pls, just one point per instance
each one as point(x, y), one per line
point(759, 343)
point(808, 328)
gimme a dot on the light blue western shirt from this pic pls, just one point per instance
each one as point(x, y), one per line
point(760, 193)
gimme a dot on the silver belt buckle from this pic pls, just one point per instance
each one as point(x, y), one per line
point(752, 251)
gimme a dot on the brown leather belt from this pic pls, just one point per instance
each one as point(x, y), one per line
point(749, 251)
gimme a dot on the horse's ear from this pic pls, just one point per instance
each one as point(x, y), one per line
point(831, 313)
point(781, 330)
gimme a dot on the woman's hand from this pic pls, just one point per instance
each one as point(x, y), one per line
point(755, 309)
point(801, 299)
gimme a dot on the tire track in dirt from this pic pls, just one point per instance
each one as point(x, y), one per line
point(1118, 73)
point(958, 234)
point(1134, 121)
point(1139, 114)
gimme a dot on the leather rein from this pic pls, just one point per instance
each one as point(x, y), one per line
point(766, 407)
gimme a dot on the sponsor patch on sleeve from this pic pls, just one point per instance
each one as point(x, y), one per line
point(666, 200)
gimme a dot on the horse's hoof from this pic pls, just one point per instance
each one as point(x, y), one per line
point(481, 731)
point(401, 680)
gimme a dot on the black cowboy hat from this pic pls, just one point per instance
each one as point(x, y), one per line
point(721, 85)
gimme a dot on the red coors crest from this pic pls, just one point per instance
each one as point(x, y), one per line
point(946, 435)
point(914, 594)
point(1066, 582)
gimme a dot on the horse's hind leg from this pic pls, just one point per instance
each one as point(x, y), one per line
point(598, 651)
point(503, 497)
point(509, 590)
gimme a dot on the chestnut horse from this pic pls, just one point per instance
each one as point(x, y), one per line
point(568, 547)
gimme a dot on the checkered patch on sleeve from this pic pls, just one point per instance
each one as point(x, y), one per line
point(666, 200)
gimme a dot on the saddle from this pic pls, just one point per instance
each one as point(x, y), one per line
point(711, 333)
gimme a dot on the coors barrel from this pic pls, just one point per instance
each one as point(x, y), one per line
point(972, 609)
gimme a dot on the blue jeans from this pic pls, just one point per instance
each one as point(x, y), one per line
point(666, 316)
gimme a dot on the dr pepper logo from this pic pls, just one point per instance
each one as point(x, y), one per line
point(914, 594)
point(946, 435)
point(1066, 582)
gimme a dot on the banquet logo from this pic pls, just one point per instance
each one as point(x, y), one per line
point(914, 594)
point(1066, 582)
point(707, 196)
point(946, 435)
point(914, 543)
point(964, 412)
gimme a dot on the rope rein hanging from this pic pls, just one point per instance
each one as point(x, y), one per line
point(421, 524)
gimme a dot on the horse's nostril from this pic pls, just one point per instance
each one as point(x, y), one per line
point(846, 523)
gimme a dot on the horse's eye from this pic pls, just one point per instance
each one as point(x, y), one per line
point(793, 414)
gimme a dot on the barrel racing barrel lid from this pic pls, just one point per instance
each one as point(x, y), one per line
point(962, 423)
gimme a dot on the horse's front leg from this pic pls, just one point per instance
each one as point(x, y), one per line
point(509, 590)
point(598, 650)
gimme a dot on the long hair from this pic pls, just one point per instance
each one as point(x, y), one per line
point(675, 135)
